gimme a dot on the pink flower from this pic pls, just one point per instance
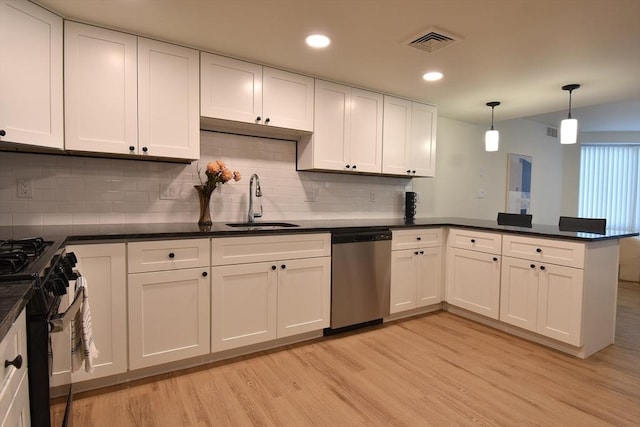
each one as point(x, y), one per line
point(236, 176)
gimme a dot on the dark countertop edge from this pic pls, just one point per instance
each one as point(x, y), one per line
point(15, 297)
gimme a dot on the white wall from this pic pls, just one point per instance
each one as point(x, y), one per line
point(464, 169)
point(81, 190)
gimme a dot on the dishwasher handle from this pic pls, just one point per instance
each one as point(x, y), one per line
point(360, 236)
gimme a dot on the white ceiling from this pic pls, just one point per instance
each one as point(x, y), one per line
point(519, 52)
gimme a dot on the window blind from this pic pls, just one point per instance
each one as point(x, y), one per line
point(610, 184)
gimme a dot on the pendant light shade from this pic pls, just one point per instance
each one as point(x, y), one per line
point(492, 137)
point(569, 126)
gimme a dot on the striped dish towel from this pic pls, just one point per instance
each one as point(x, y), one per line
point(83, 347)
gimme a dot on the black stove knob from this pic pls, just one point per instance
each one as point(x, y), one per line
point(71, 259)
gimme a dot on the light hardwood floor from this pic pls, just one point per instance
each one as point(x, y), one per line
point(434, 370)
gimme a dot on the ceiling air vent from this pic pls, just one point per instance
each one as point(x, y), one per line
point(552, 132)
point(432, 39)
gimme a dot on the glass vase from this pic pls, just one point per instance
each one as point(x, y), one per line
point(204, 196)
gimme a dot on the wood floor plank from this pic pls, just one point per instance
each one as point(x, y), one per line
point(434, 370)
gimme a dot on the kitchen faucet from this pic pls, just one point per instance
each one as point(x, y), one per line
point(253, 215)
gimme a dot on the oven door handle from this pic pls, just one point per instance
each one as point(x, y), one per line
point(59, 322)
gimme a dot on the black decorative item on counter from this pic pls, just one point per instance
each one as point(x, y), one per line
point(411, 198)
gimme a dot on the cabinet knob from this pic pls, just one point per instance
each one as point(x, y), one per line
point(532, 266)
point(408, 170)
point(542, 267)
point(418, 238)
point(205, 274)
point(258, 119)
point(473, 240)
point(17, 362)
point(413, 172)
point(538, 250)
point(415, 253)
point(2, 132)
point(267, 120)
point(348, 166)
point(283, 266)
point(353, 167)
point(145, 149)
point(172, 255)
point(273, 267)
point(495, 258)
point(421, 252)
point(132, 148)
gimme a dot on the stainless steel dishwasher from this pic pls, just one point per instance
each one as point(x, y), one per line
point(360, 278)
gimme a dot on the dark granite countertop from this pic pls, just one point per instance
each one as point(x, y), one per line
point(14, 297)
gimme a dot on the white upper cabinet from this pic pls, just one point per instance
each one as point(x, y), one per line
point(101, 107)
point(240, 91)
point(129, 96)
point(168, 100)
point(409, 139)
point(347, 130)
point(31, 106)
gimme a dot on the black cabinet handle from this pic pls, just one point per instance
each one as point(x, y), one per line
point(542, 267)
point(172, 255)
point(204, 274)
point(473, 240)
point(132, 148)
point(533, 266)
point(418, 238)
point(408, 170)
point(348, 166)
point(273, 267)
point(283, 266)
point(267, 120)
point(17, 362)
point(413, 171)
point(145, 149)
point(421, 252)
point(538, 250)
point(353, 167)
point(495, 258)
point(415, 253)
point(2, 132)
point(258, 118)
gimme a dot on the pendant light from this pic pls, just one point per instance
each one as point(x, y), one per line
point(492, 137)
point(569, 126)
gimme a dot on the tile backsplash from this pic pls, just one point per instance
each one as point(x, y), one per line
point(85, 190)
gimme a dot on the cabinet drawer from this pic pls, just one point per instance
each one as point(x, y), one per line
point(240, 250)
point(560, 252)
point(167, 255)
point(416, 238)
point(475, 240)
point(13, 344)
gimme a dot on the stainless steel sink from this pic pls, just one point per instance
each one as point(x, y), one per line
point(262, 225)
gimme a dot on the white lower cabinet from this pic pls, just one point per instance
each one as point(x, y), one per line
point(104, 268)
point(473, 271)
point(543, 298)
point(416, 273)
point(272, 297)
point(169, 308)
point(14, 382)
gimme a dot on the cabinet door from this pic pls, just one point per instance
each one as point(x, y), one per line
point(365, 149)
point(396, 136)
point(473, 281)
point(104, 268)
point(287, 99)
point(17, 414)
point(230, 89)
point(168, 100)
point(403, 280)
point(168, 316)
point(429, 277)
point(560, 303)
point(100, 77)
point(332, 123)
point(243, 304)
point(519, 293)
point(31, 74)
point(304, 295)
point(423, 140)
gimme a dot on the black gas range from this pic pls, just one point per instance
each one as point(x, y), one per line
point(51, 271)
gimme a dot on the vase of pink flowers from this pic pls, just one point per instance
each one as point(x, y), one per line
point(216, 173)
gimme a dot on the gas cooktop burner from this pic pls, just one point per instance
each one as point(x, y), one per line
point(17, 255)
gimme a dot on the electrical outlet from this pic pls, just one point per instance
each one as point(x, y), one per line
point(372, 197)
point(481, 194)
point(168, 191)
point(25, 188)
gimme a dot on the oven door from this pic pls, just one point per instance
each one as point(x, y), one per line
point(60, 324)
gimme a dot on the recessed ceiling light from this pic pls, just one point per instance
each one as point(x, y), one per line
point(318, 40)
point(432, 76)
